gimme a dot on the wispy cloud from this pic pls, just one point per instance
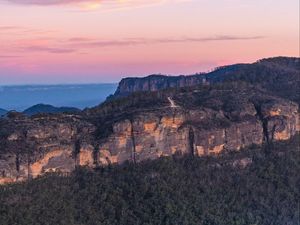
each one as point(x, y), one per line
point(80, 44)
point(47, 2)
point(93, 4)
point(91, 43)
point(66, 2)
point(9, 56)
point(19, 30)
point(56, 50)
point(9, 28)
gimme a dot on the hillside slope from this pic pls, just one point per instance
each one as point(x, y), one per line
point(197, 121)
point(2, 112)
point(280, 75)
point(43, 108)
point(248, 187)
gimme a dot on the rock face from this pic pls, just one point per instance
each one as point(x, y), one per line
point(33, 146)
point(152, 135)
point(280, 75)
point(196, 121)
point(157, 82)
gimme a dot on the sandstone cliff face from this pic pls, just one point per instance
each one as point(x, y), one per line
point(192, 125)
point(282, 120)
point(147, 136)
point(157, 82)
point(280, 75)
point(176, 131)
point(33, 146)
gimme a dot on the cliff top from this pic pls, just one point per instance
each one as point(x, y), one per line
point(280, 75)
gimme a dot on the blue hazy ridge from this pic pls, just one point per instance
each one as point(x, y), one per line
point(80, 96)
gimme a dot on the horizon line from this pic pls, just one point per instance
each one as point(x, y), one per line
point(55, 84)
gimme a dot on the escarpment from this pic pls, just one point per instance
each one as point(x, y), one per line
point(128, 86)
point(279, 75)
point(33, 146)
point(200, 121)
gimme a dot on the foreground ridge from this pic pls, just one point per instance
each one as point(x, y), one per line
point(211, 120)
point(256, 186)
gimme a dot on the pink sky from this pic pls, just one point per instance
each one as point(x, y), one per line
point(74, 41)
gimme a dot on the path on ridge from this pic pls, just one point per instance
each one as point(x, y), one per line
point(172, 103)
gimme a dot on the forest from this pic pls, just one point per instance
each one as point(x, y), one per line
point(258, 185)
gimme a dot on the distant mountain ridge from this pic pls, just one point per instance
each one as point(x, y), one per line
point(44, 108)
point(201, 120)
point(21, 97)
point(280, 75)
point(3, 112)
point(196, 121)
point(156, 82)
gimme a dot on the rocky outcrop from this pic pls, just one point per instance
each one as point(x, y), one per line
point(147, 136)
point(280, 75)
point(157, 82)
point(150, 136)
point(197, 125)
point(33, 146)
point(281, 120)
point(204, 122)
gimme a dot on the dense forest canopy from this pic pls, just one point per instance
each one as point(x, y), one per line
point(259, 185)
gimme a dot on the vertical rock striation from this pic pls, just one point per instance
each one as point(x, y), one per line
point(202, 123)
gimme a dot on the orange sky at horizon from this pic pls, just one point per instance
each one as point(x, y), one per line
point(102, 41)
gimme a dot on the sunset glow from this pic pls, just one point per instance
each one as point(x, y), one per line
point(74, 41)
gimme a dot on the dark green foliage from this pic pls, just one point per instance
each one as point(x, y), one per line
point(230, 97)
point(3, 112)
point(279, 75)
point(168, 191)
point(44, 109)
point(111, 111)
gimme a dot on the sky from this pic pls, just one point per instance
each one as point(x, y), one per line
point(102, 41)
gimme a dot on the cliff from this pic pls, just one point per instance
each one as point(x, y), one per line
point(204, 120)
point(156, 82)
point(33, 146)
point(279, 75)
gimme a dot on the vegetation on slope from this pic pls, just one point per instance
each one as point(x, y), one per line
point(2, 112)
point(43, 108)
point(279, 75)
point(229, 97)
point(168, 191)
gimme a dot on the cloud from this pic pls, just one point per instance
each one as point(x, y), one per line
point(83, 44)
point(47, 2)
point(19, 30)
point(68, 2)
point(9, 56)
point(56, 50)
point(94, 4)
point(9, 28)
point(92, 43)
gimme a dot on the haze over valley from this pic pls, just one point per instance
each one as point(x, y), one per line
point(80, 96)
point(149, 112)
